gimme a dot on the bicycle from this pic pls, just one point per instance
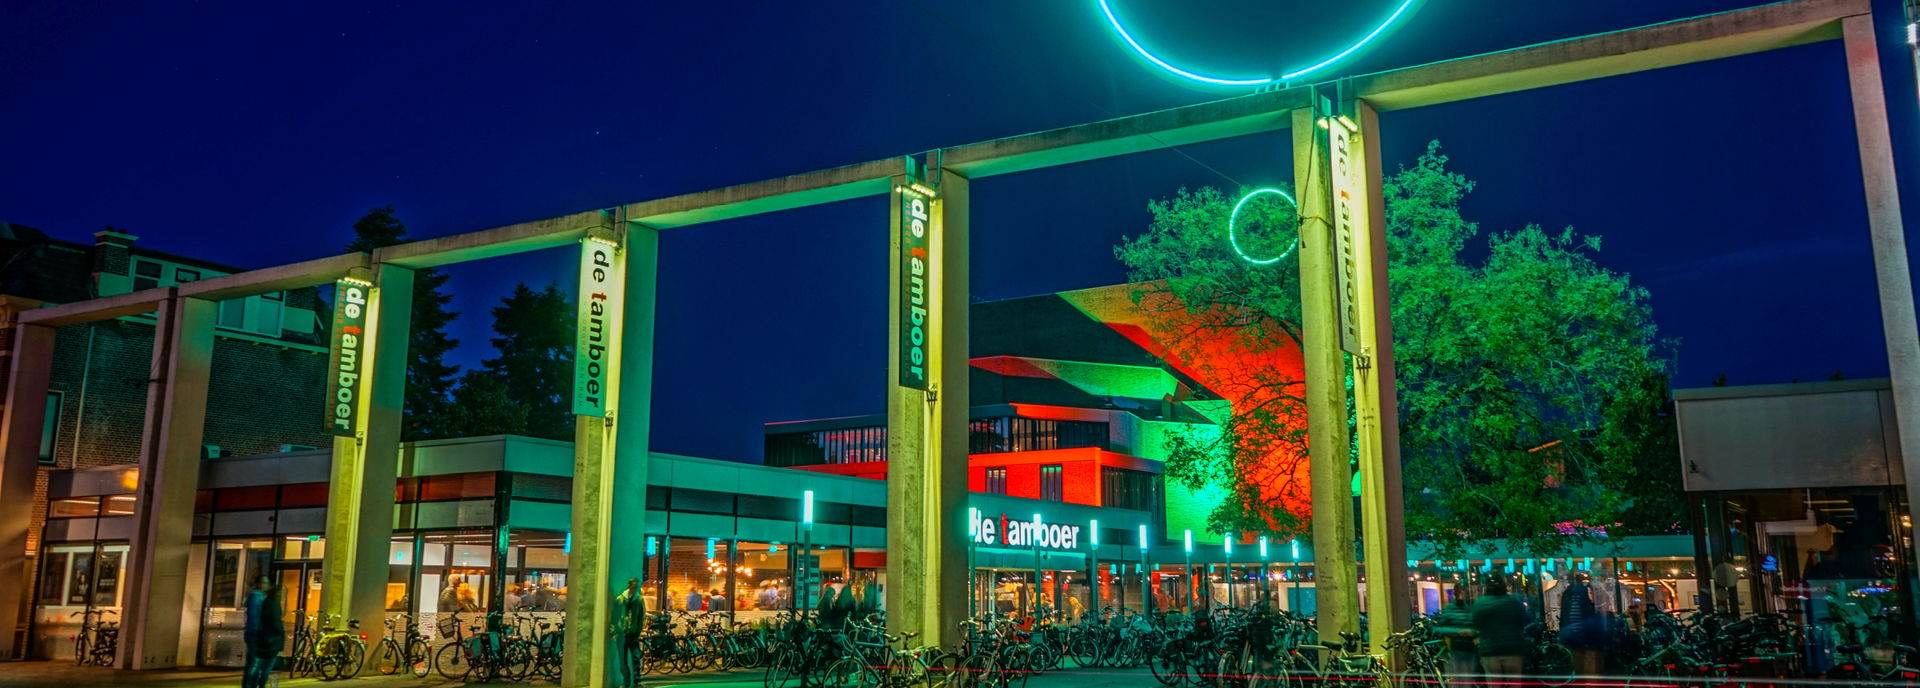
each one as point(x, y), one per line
point(338, 653)
point(98, 640)
point(402, 647)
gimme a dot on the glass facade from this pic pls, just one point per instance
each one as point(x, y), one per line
point(1122, 488)
point(985, 436)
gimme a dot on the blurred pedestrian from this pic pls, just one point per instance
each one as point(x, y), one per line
point(1582, 628)
point(1455, 624)
point(1499, 625)
point(264, 635)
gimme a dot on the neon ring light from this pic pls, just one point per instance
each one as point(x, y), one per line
point(1233, 222)
point(1399, 12)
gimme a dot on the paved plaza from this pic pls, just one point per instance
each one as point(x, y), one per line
point(64, 675)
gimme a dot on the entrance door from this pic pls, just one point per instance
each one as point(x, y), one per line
point(299, 583)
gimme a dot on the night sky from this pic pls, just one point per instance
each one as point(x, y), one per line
point(255, 133)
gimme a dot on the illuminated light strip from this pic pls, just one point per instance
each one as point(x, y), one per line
point(1114, 21)
point(1234, 219)
point(356, 280)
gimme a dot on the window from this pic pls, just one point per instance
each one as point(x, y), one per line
point(1128, 489)
point(146, 274)
point(1050, 487)
point(1013, 434)
point(838, 445)
point(183, 275)
point(997, 480)
point(233, 314)
point(50, 427)
point(74, 507)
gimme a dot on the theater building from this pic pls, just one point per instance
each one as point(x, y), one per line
point(1074, 408)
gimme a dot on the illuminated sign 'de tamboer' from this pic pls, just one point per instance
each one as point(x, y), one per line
point(349, 343)
point(1008, 532)
point(1346, 230)
point(915, 259)
point(599, 285)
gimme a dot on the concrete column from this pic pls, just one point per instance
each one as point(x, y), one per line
point(1884, 229)
point(28, 374)
point(610, 471)
point(1336, 575)
point(170, 447)
point(365, 467)
point(1383, 522)
point(927, 430)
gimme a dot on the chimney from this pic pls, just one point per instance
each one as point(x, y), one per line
point(112, 261)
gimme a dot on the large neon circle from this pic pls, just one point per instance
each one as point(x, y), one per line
point(1233, 222)
point(1399, 12)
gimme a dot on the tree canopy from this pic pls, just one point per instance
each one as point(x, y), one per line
point(1531, 378)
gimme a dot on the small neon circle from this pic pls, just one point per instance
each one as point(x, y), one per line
point(1399, 12)
point(1233, 222)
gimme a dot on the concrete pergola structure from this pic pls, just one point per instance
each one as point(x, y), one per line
point(927, 429)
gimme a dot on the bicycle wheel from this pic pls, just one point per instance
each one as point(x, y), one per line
point(353, 656)
point(846, 672)
point(418, 659)
point(387, 657)
point(451, 662)
point(1169, 667)
point(82, 653)
point(1552, 665)
point(780, 672)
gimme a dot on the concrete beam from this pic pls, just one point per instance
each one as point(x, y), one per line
point(786, 193)
point(1220, 119)
point(291, 276)
point(491, 243)
point(94, 310)
point(1699, 39)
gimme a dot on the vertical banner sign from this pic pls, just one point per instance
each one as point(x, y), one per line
point(349, 343)
point(599, 291)
point(1347, 214)
point(915, 259)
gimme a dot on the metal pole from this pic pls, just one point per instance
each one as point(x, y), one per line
point(1232, 600)
point(1188, 558)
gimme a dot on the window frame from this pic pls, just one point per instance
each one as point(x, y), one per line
point(50, 427)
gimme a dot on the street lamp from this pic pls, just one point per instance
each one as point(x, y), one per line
point(1266, 585)
point(1189, 569)
point(1033, 540)
point(804, 572)
point(1296, 575)
point(1227, 544)
point(1093, 567)
point(1146, 573)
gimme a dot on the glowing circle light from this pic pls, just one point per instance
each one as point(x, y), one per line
point(1400, 11)
point(1233, 223)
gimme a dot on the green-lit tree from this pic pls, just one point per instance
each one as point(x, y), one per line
point(535, 361)
point(1531, 379)
point(430, 377)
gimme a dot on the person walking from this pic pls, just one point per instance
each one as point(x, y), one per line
point(630, 618)
point(1455, 624)
point(1582, 628)
point(264, 635)
point(1499, 626)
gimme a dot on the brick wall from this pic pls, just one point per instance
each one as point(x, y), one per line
point(260, 397)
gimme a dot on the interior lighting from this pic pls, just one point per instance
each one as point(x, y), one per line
point(1400, 11)
point(1233, 224)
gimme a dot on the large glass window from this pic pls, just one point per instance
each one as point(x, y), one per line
point(74, 507)
point(697, 573)
point(537, 571)
point(762, 581)
point(235, 564)
point(456, 572)
point(840, 445)
point(1016, 434)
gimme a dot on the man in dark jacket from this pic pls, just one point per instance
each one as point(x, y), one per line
point(1500, 622)
point(264, 635)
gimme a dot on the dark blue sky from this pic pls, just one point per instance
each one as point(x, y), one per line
point(255, 133)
